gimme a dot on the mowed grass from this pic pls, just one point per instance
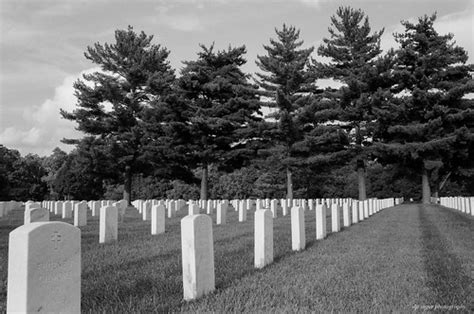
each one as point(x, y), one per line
point(396, 260)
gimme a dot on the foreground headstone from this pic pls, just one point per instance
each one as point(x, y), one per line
point(263, 238)
point(197, 248)
point(298, 237)
point(35, 214)
point(44, 268)
point(320, 221)
point(108, 224)
point(158, 214)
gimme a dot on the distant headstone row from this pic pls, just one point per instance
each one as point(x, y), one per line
point(461, 203)
point(45, 257)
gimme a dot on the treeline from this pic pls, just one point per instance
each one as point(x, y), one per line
point(400, 119)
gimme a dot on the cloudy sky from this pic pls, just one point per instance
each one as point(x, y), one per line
point(42, 44)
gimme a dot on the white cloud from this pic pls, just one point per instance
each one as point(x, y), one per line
point(176, 14)
point(185, 22)
point(43, 127)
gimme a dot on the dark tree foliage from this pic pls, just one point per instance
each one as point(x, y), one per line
point(115, 103)
point(84, 171)
point(286, 82)
point(8, 159)
point(52, 164)
point(427, 125)
point(353, 51)
point(21, 177)
point(222, 109)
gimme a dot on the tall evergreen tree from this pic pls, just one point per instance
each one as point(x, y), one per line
point(427, 124)
point(286, 82)
point(353, 51)
point(222, 108)
point(114, 104)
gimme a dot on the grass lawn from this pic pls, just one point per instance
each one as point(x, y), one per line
point(400, 259)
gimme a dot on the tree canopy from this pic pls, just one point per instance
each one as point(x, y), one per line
point(427, 124)
point(222, 109)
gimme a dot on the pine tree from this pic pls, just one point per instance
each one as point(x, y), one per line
point(286, 82)
point(115, 103)
point(222, 108)
point(427, 124)
point(353, 51)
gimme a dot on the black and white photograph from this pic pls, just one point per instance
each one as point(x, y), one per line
point(236, 156)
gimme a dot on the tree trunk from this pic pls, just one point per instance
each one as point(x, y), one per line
point(204, 182)
point(127, 186)
point(361, 180)
point(360, 167)
point(425, 186)
point(289, 184)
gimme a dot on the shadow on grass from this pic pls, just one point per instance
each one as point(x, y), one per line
point(446, 276)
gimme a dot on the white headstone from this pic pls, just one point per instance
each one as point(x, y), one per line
point(108, 224)
point(146, 210)
point(298, 237)
point(274, 208)
point(197, 247)
point(346, 215)
point(36, 214)
point(44, 268)
point(320, 221)
point(360, 206)
point(284, 207)
point(365, 204)
point(31, 205)
point(194, 209)
point(171, 210)
point(58, 208)
point(263, 238)
point(221, 213)
point(242, 212)
point(355, 212)
point(95, 208)
point(158, 214)
point(67, 210)
point(80, 214)
point(335, 217)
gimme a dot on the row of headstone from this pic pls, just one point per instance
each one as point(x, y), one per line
point(108, 220)
point(461, 203)
point(45, 257)
point(198, 249)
